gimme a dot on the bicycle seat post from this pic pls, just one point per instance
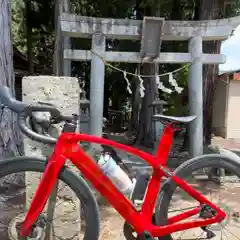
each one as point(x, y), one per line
point(165, 144)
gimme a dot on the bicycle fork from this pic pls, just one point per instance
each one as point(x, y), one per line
point(43, 192)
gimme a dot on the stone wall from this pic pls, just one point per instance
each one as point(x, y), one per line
point(63, 92)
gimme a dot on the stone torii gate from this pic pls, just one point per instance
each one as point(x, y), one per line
point(151, 31)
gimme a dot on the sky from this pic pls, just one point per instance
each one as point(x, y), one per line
point(231, 48)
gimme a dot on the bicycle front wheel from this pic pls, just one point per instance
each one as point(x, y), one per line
point(72, 213)
point(223, 190)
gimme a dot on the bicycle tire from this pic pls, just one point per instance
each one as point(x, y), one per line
point(183, 171)
point(76, 183)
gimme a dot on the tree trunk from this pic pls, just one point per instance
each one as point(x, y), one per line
point(10, 139)
point(136, 102)
point(146, 135)
point(135, 87)
point(210, 9)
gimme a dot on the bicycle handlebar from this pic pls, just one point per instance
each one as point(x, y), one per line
point(18, 107)
point(24, 111)
point(22, 123)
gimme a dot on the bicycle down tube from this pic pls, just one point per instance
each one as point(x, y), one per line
point(67, 147)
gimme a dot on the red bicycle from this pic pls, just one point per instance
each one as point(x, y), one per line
point(32, 224)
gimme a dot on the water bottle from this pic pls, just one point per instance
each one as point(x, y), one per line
point(119, 178)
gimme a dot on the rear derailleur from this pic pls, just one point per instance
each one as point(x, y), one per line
point(207, 212)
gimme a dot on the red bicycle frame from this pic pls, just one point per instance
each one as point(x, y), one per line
point(68, 147)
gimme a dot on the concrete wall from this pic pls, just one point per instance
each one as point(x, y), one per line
point(63, 92)
point(233, 117)
point(219, 122)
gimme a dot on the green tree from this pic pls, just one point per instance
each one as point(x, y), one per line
point(33, 31)
point(31, 26)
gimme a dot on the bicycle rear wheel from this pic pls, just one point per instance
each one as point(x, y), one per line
point(75, 215)
point(173, 200)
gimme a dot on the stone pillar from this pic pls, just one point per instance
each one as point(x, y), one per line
point(97, 84)
point(66, 62)
point(63, 92)
point(195, 88)
point(65, 7)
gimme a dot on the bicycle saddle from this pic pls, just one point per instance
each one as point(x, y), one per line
point(187, 119)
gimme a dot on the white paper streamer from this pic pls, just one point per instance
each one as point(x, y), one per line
point(179, 89)
point(173, 82)
point(161, 86)
point(142, 88)
point(157, 80)
point(128, 83)
point(164, 89)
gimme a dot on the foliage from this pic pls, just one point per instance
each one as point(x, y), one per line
point(177, 103)
point(233, 9)
point(18, 25)
point(42, 23)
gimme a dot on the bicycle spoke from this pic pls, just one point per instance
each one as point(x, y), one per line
point(217, 193)
point(65, 223)
point(232, 233)
point(71, 238)
point(200, 235)
point(223, 231)
point(62, 215)
point(180, 236)
point(182, 209)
